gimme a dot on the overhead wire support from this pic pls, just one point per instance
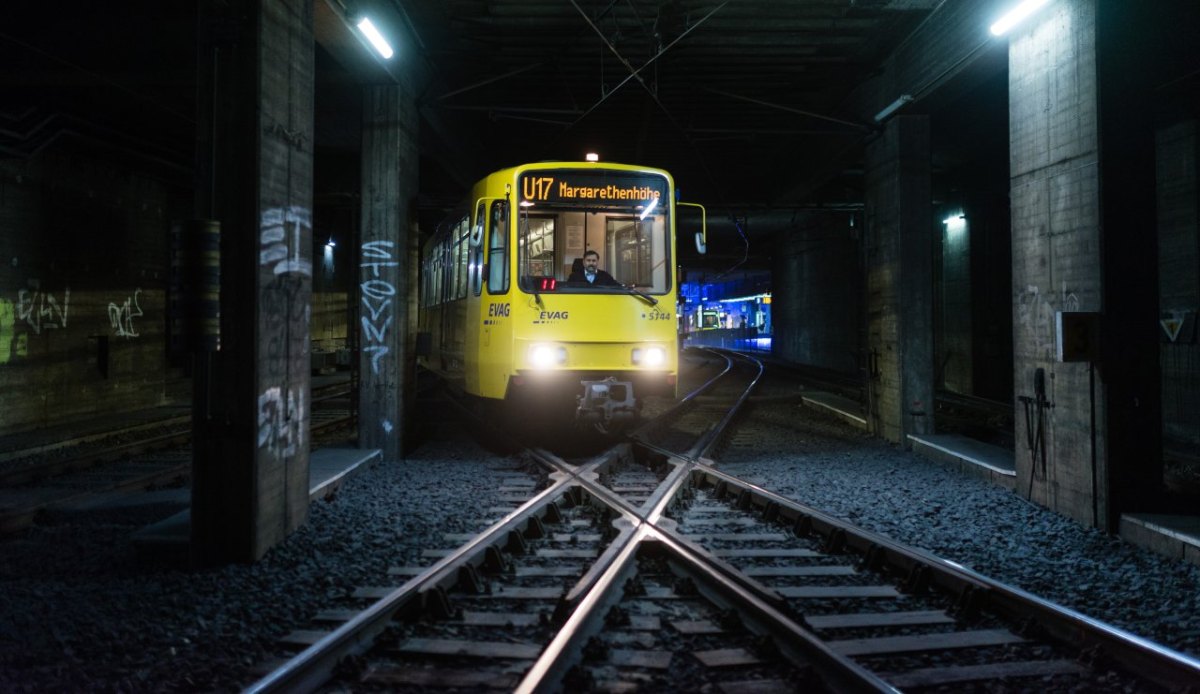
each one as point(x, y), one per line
point(634, 72)
point(800, 112)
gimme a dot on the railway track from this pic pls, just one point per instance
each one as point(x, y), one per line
point(645, 568)
point(74, 472)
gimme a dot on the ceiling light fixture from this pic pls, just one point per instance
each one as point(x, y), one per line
point(381, 45)
point(893, 107)
point(1016, 15)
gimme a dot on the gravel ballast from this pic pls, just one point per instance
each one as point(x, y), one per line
point(79, 611)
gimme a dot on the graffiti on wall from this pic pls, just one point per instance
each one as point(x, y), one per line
point(280, 416)
point(8, 330)
point(377, 294)
point(1035, 313)
point(42, 311)
point(282, 233)
point(284, 312)
point(121, 316)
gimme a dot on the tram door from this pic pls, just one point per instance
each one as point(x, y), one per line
point(475, 305)
point(495, 347)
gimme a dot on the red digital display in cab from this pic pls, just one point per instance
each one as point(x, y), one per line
point(547, 284)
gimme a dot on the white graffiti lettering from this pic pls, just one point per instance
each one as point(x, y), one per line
point(281, 237)
point(280, 419)
point(122, 316)
point(377, 296)
point(1036, 315)
point(42, 311)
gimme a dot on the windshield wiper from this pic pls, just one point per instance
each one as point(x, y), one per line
point(644, 297)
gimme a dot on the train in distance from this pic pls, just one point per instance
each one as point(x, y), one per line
point(511, 312)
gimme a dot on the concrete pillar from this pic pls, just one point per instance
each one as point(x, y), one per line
point(899, 301)
point(254, 164)
point(386, 267)
point(1178, 206)
point(817, 302)
point(1083, 240)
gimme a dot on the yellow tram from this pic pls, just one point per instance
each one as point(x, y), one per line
point(502, 318)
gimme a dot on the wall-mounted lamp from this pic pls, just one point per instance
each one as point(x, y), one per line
point(956, 225)
point(1016, 15)
point(327, 256)
point(893, 107)
point(381, 45)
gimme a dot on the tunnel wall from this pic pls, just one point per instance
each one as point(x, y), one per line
point(82, 291)
point(817, 294)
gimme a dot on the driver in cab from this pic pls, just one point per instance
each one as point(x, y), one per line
point(591, 272)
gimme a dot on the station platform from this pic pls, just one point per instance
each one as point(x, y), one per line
point(968, 456)
point(1175, 536)
point(328, 468)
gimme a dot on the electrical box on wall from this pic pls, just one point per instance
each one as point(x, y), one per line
point(1078, 335)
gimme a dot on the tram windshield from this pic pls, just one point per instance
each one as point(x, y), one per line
point(565, 215)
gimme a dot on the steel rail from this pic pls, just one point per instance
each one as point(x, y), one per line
point(799, 645)
point(597, 590)
point(706, 443)
point(314, 666)
point(796, 642)
point(548, 670)
point(1156, 662)
point(686, 401)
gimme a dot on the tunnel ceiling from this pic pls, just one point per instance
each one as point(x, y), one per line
point(726, 95)
point(743, 101)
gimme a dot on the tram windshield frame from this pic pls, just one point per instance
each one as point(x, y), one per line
point(623, 216)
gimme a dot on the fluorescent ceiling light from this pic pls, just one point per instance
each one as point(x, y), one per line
point(1016, 16)
point(368, 29)
point(893, 107)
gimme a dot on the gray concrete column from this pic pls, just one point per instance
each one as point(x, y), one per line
point(899, 301)
point(386, 269)
point(1053, 164)
point(254, 163)
point(1083, 223)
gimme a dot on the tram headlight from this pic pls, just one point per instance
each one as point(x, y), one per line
point(547, 356)
point(651, 357)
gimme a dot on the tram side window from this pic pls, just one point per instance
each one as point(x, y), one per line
point(461, 246)
point(537, 245)
point(476, 262)
point(498, 250)
point(436, 274)
point(426, 281)
point(443, 266)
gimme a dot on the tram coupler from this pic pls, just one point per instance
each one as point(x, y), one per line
point(606, 402)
